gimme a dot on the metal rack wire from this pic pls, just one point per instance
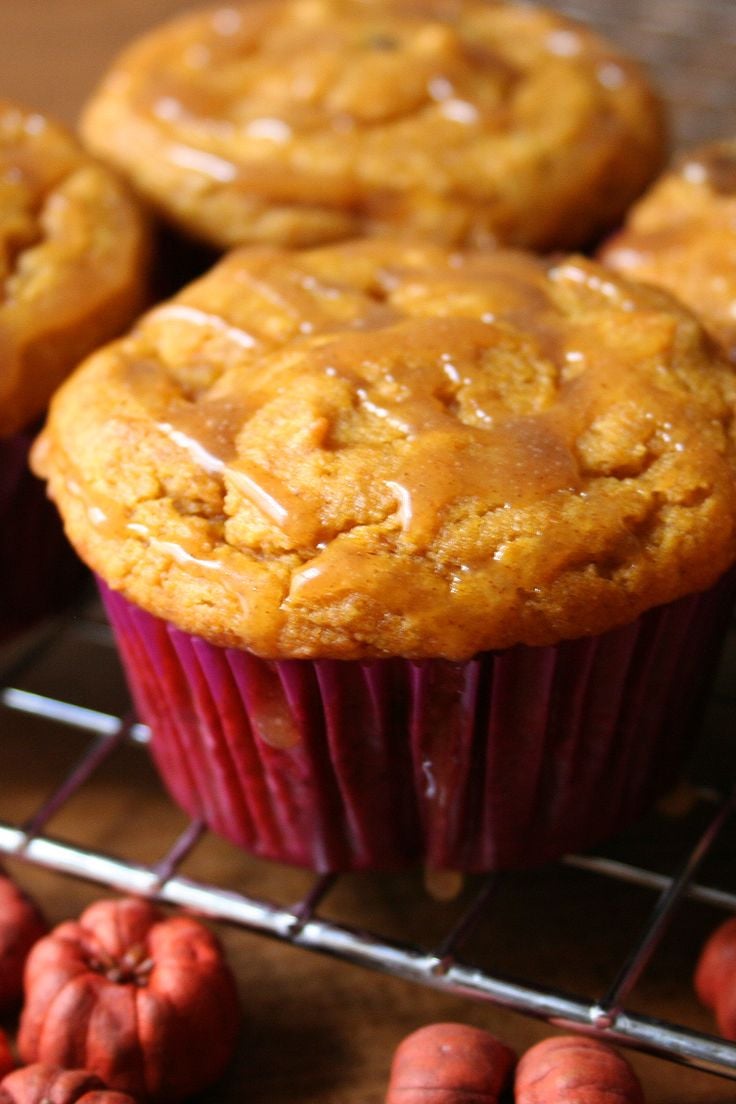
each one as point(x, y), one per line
point(439, 966)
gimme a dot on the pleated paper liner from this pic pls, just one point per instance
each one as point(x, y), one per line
point(508, 760)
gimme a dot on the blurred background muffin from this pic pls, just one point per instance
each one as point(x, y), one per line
point(682, 236)
point(73, 260)
point(305, 121)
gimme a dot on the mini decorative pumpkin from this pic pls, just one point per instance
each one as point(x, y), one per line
point(449, 1063)
point(573, 1069)
point(148, 1004)
point(715, 977)
point(7, 1062)
point(44, 1084)
point(104, 1096)
point(21, 924)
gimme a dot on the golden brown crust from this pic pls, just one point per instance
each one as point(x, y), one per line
point(72, 253)
point(682, 236)
point(297, 122)
point(376, 449)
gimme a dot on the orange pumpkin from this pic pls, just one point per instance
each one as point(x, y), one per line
point(44, 1084)
point(449, 1063)
point(21, 924)
point(104, 1096)
point(148, 1004)
point(715, 976)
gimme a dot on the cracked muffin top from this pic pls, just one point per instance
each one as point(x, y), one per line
point(376, 449)
point(682, 236)
point(299, 122)
point(72, 253)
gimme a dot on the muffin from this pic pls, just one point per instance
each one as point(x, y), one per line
point(300, 122)
point(72, 246)
point(682, 236)
point(414, 555)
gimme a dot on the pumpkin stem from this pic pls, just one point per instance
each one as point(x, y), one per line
point(132, 968)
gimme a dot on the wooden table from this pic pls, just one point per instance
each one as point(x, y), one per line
point(315, 1030)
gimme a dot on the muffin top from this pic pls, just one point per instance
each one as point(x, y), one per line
point(299, 122)
point(682, 236)
point(389, 449)
point(72, 247)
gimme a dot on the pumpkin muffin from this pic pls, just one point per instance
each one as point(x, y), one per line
point(72, 245)
point(682, 236)
point(412, 553)
point(300, 122)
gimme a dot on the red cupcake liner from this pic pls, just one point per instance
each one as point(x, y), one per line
point(39, 571)
point(510, 759)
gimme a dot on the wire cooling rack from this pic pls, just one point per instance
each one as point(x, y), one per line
point(440, 966)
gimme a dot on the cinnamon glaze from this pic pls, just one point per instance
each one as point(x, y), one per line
point(378, 449)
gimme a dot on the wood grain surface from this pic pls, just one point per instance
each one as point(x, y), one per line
point(316, 1030)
